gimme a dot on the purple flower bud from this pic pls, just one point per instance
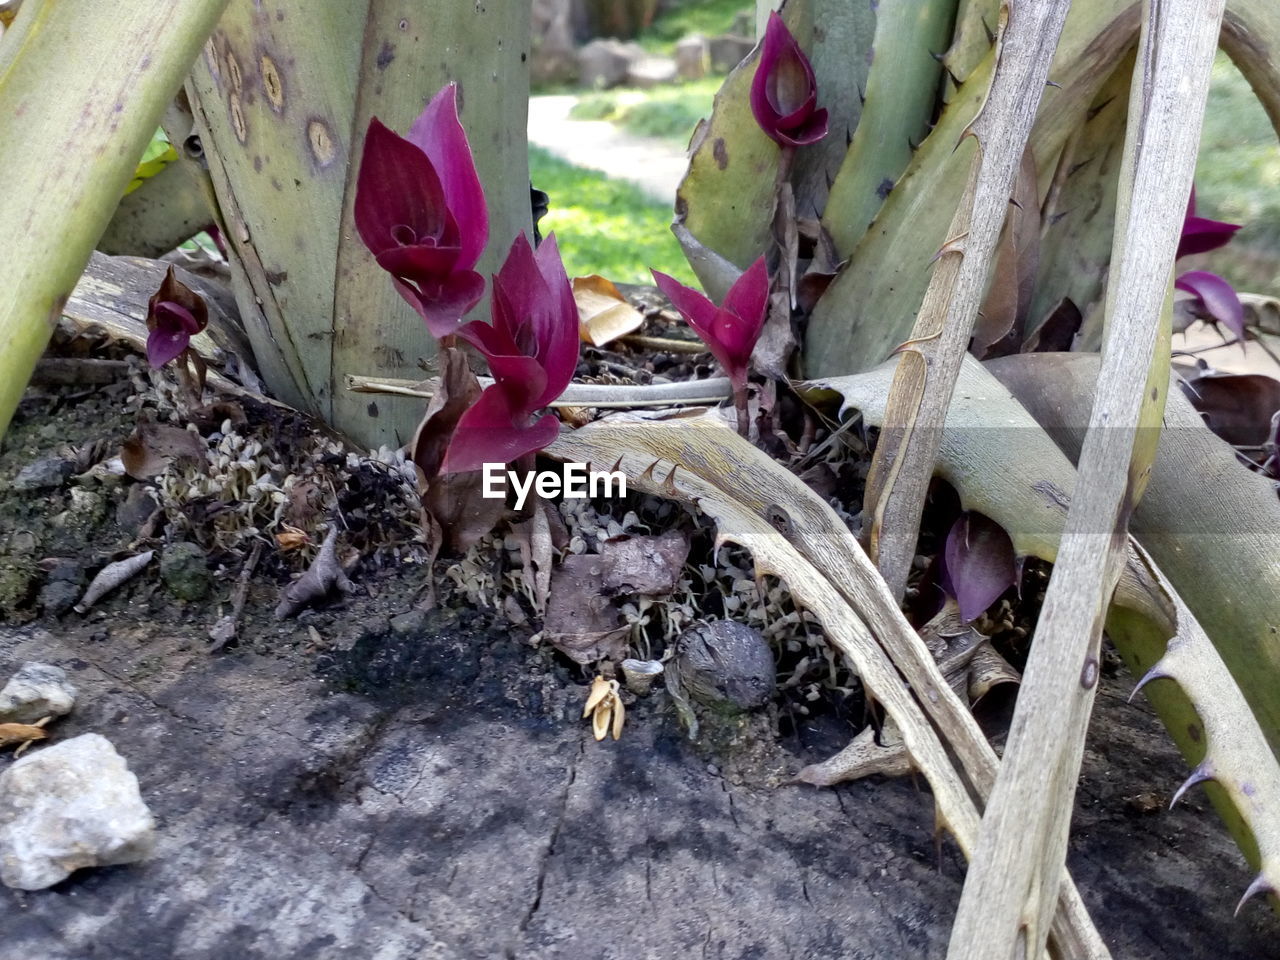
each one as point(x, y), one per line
point(420, 209)
point(784, 92)
point(532, 350)
point(729, 331)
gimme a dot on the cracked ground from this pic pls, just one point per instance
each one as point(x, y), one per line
point(436, 795)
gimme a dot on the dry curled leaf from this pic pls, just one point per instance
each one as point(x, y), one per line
point(291, 539)
point(604, 315)
point(110, 577)
point(323, 576)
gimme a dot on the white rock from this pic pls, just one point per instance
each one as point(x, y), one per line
point(36, 691)
point(70, 806)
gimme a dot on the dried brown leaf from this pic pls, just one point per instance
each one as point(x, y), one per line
point(455, 501)
point(1003, 315)
point(647, 565)
point(604, 314)
point(457, 391)
point(581, 621)
point(153, 446)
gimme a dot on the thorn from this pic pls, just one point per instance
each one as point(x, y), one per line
point(617, 465)
point(669, 484)
point(1199, 775)
point(1155, 673)
point(991, 37)
point(951, 245)
point(954, 79)
point(938, 57)
point(1053, 83)
point(648, 473)
point(1260, 885)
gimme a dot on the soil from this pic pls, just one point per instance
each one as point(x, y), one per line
point(370, 781)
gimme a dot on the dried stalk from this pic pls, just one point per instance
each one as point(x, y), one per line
point(1009, 893)
point(596, 395)
point(925, 379)
point(792, 532)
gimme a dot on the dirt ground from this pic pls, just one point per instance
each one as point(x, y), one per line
point(363, 783)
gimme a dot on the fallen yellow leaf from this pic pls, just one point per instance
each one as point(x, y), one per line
point(603, 313)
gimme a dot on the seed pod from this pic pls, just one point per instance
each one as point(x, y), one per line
point(725, 663)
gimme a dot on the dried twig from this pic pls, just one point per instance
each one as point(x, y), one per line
point(908, 447)
point(224, 631)
point(1010, 889)
point(598, 395)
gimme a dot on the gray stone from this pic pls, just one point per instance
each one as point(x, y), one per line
point(59, 596)
point(38, 690)
point(604, 63)
point(46, 474)
point(552, 57)
point(70, 806)
point(185, 571)
point(728, 50)
point(693, 57)
point(651, 72)
point(408, 623)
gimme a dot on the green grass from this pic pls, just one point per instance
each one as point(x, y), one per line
point(667, 112)
point(605, 226)
point(1238, 179)
point(710, 17)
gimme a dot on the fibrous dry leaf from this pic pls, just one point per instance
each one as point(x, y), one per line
point(604, 314)
point(534, 537)
point(1003, 314)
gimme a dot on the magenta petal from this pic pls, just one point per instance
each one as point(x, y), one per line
point(748, 298)
point(1200, 235)
point(440, 135)
point(813, 130)
point(558, 337)
point(692, 304)
point(397, 187)
point(176, 317)
point(1219, 298)
point(418, 263)
point(486, 433)
point(164, 344)
point(444, 305)
point(979, 563)
point(784, 90)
